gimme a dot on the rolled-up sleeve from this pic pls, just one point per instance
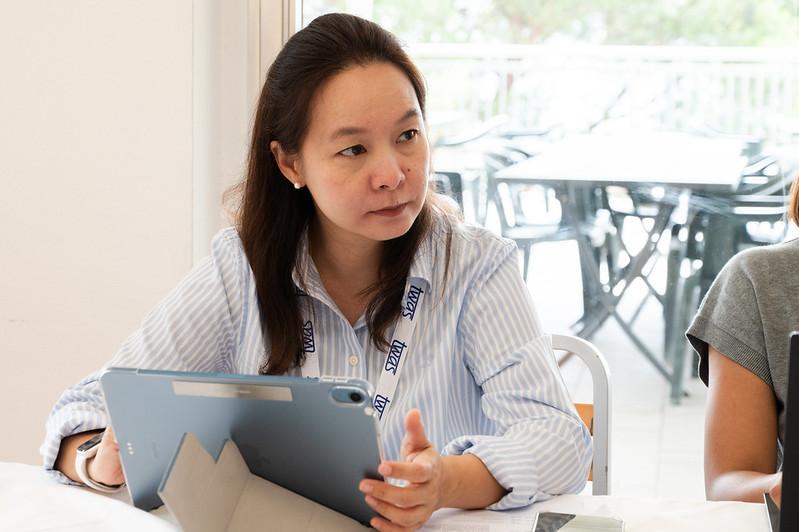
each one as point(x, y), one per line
point(79, 409)
point(540, 448)
point(195, 328)
point(730, 319)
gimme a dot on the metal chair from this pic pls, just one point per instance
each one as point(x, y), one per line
point(514, 224)
point(754, 216)
point(597, 414)
point(450, 184)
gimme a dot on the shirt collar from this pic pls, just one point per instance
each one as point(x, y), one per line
point(304, 274)
point(422, 263)
point(305, 269)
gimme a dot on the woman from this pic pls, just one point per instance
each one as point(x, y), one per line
point(336, 226)
point(741, 333)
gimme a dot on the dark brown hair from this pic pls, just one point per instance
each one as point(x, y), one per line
point(273, 216)
point(793, 206)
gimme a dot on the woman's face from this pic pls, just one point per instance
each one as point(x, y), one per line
point(365, 158)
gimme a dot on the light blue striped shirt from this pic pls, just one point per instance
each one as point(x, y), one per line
point(480, 368)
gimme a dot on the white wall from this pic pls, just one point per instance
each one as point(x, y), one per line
point(112, 158)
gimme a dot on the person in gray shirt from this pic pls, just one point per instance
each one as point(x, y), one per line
point(741, 333)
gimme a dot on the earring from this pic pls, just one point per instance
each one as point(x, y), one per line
point(297, 185)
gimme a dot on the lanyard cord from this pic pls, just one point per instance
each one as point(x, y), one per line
point(395, 358)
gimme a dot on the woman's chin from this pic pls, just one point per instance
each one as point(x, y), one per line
point(390, 232)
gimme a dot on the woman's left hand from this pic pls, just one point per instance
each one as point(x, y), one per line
point(408, 507)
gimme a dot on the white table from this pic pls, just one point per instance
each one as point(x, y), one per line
point(31, 501)
point(683, 165)
point(679, 160)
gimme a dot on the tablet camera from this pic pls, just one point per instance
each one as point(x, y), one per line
point(356, 397)
point(349, 396)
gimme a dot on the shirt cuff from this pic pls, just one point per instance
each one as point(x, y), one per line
point(65, 422)
point(530, 468)
point(502, 459)
point(703, 333)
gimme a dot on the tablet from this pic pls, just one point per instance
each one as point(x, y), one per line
point(316, 437)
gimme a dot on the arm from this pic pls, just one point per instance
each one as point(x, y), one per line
point(740, 434)
point(105, 467)
point(193, 329)
point(468, 483)
point(67, 453)
point(432, 482)
point(539, 447)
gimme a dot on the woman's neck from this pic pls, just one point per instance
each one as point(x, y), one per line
point(347, 267)
point(346, 258)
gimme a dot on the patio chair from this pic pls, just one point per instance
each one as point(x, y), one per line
point(450, 184)
point(755, 217)
point(514, 224)
point(597, 414)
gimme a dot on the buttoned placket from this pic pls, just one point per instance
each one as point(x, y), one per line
point(356, 361)
point(360, 359)
point(350, 362)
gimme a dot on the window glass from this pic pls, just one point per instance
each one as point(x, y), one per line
point(629, 147)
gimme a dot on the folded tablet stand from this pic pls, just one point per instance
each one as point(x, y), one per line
point(211, 496)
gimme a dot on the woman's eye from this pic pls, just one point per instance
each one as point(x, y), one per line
point(408, 135)
point(352, 151)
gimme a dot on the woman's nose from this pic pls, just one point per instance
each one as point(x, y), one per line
point(387, 173)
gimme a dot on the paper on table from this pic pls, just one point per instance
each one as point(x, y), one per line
point(451, 520)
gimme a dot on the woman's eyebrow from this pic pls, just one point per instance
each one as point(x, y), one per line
point(411, 113)
point(347, 131)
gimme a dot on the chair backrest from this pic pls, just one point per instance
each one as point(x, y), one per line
point(508, 198)
point(449, 184)
point(596, 416)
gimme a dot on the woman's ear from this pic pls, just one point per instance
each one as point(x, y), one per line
point(288, 164)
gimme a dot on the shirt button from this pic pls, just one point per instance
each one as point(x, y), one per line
point(353, 360)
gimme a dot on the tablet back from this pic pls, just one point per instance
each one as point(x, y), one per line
point(315, 437)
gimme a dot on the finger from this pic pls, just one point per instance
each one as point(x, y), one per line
point(416, 472)
point(384, 525)
point(402, 497)
point(106, 466)
point(109, 440)
point(415, 438)
point(775, 489)
point(404, 517)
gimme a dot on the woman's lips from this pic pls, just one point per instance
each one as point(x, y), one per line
point(391, 211)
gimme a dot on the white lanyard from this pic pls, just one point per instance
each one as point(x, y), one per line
point(395, 359)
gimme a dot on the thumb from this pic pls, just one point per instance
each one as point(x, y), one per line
point(415, 438)
point(109, 433)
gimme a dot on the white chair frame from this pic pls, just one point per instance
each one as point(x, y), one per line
point(600, 374)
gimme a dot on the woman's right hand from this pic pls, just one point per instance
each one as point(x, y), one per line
point(106, 466)
point(776, 489)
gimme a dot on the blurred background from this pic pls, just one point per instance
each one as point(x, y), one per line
point(630, 148)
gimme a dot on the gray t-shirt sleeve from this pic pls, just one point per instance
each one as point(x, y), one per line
point(730, 320)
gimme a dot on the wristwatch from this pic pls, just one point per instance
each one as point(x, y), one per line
point(86, 452)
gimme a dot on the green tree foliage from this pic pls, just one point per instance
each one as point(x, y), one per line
point(623, 22)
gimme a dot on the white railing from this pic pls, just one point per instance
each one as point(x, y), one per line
point(752, 91)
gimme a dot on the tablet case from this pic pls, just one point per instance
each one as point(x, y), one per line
point(306, 435)
point(205, 495)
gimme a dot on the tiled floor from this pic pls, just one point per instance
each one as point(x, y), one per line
point(656, 447)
